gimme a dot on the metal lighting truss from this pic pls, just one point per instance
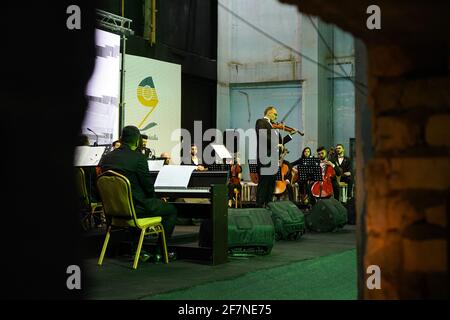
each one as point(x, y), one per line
point(114, 22)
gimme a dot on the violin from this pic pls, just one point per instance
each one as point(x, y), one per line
point(282, 126)
point(235, 182)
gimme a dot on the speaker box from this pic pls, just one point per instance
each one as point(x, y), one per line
point(326, 215)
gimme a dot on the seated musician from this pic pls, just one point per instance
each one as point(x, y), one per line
point(167, 158)
point(345, 165)
point(288, 180)
point(142, 147)
point(194, 160)
point(329, 170)
point(133, 165)
point(303, 186)
point(116, 144)
point(306, 153)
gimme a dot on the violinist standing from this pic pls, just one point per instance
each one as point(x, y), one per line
point(264, 129)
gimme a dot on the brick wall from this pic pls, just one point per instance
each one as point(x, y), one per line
point(407, 182)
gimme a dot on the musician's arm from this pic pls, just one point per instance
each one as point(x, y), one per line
point(337, 169)
point(263, 132)
point(144, 177)
point(296, 162)
point(349, 168)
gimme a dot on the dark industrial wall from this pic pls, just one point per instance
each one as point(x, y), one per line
point(186, 34)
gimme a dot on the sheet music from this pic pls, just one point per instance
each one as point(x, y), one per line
point(174, 176)
point(221, 151)
point(155, 165)
point(86, 156)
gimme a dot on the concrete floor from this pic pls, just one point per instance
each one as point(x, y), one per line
point(117, 280)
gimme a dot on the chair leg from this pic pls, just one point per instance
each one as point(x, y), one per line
point(105, 244)
point(138, 251)
point(164, 244)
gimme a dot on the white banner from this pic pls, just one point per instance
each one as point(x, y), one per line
point(101, 122)
point(153, 101)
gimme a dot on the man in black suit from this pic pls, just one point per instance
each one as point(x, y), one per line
point(267, 178)
point(134, 166)
point(345, 165)
point(142, 148)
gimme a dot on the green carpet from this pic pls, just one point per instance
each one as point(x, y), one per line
point(329, 277)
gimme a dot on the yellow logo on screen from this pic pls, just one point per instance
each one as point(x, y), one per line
point(146, 93)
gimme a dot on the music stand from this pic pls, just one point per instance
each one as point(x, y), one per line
point(219, 167)
point(309, 170)
point(155, 165)
point(221, 151)
point(253, 166)
point(87, 156)
point(108, 147)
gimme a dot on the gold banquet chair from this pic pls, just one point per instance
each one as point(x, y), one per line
point(89, 207)
point(115, 192)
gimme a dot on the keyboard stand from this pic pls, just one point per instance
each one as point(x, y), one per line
point(216, 210)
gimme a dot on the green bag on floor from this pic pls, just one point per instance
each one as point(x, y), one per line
point(250, 231)
point(288, 219)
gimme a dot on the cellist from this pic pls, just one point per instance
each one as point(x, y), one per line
point(324, 188)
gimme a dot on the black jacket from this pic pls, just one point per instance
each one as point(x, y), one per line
point(134, 166)
point(145, 151)
point(264, 135)
point(345, 166)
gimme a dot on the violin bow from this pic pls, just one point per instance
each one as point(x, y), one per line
point(289, 112)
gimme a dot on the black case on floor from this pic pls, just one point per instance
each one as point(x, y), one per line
point(288, 219)
point(326, 215)
point(250, 231)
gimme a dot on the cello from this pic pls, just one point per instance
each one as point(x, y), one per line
point(280, 185)
point(235, 170)
point(234, 183)
point(324, 188)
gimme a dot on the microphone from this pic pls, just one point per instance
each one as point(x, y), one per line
point(152, 154)
point(96, 137)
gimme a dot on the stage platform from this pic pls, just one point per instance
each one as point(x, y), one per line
point(117, 280)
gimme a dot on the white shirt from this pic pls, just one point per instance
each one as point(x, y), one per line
point(323, 166)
